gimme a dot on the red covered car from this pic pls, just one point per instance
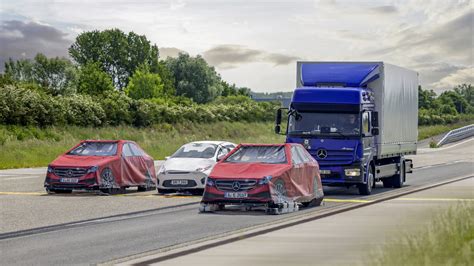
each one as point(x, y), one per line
point(276, 176)
point(106, 165)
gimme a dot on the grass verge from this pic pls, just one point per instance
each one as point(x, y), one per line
point(425, 132)
point(33, 147)
point(447, 240)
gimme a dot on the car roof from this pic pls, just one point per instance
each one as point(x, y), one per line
point(215, 142)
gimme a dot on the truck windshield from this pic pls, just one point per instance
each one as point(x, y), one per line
point(305, 123)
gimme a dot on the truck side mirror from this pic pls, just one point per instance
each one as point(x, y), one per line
point(375, 131)
point(277, 129)
point(278, 117)
point(375, 119)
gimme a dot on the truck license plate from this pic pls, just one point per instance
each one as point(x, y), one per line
point(325, 172)
point(69, 180)
point(235, 195)
point(179, 182)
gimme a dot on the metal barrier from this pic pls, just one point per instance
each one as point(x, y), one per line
point(457, 134)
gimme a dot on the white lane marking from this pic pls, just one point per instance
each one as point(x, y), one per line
point(21, 177)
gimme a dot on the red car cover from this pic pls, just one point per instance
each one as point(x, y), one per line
point(264, 173)
point(105, 165)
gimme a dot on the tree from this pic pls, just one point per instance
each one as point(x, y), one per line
point(93, 81)
point(145, 85)
point(194, 78)
point(426, 99)
point(55, 75)
point(166, 77)
point(455, 100)
point(466, 91)
point(118, 54)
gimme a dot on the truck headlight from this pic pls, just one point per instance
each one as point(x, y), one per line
point(352, 172)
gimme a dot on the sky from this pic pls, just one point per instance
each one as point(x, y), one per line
point(256, 43)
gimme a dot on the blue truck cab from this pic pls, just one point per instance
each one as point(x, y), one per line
point(357, 119)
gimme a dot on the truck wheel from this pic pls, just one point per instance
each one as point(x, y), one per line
point(387, 182)
point(397, 180)
point(366, 189)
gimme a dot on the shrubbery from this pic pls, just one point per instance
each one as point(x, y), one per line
point(27, 107)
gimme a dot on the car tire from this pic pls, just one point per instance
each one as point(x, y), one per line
point(366, 189)
point(313, 203)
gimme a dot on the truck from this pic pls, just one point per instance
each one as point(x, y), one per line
point(357, 119)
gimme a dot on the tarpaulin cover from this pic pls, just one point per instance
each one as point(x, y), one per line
point(111, 163)
point(267, 173)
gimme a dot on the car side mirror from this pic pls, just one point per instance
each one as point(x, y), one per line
point(375, 131)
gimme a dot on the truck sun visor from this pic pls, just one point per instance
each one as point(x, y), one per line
point(338, 74)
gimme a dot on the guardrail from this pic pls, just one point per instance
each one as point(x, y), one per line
point(457, 134)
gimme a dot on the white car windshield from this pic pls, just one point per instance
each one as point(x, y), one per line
point(196, 150)
point(259, 154)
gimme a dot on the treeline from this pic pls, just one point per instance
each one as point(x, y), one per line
point(117, 78)
point(449, 107)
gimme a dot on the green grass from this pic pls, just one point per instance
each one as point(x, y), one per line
point(425, 132)
point(33, 147)
point(447, 240)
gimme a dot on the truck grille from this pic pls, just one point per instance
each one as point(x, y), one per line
point(70, 172)
point(235, 185)
point(335, 157)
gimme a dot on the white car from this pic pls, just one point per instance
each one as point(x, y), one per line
point(187, 169)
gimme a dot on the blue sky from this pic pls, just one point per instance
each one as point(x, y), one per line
point(256, 43)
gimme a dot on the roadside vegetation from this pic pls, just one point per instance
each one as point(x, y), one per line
point(446, 240)
point(117, 86)
point(33, 146)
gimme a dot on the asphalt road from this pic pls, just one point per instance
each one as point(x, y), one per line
point(107, 239)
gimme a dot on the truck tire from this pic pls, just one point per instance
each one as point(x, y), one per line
point(397, 180)
point(366, 189)
point(387, 182)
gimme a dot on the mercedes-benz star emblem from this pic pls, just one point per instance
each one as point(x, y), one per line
point(69, 173)
point(322, 154)
point(236, 186)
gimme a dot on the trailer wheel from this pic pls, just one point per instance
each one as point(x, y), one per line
point(366, 189)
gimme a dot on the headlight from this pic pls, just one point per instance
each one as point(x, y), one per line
point(162, 170)
point(93, 169)
point(50, 169)
point(352, 172)
point(265, 180)
point(203, 169)
point(210, 182)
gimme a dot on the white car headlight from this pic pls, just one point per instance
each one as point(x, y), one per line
point(203, 169)
point(162, 170)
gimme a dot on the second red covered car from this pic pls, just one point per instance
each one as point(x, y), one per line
point(276, 176)
point(108, 166)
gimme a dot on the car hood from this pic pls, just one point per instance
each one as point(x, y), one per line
point(81, 161)
point(247, 170)
point(187, 164)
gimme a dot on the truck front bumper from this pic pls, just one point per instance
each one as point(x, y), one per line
point(336, 175)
